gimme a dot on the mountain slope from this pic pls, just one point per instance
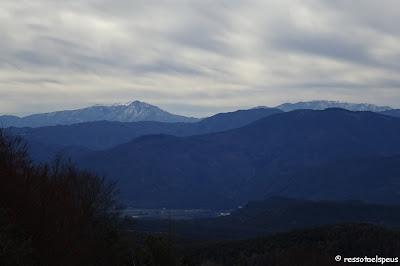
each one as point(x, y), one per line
point(321, 105)
point(393, 112)
point(102, 135)
point(229, 168)
point(7, 120)
point(374, 179)
point(132, 112)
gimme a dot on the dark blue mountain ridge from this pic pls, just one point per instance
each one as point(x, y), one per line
point(392, 112)
point(229, 168)
point(102, 135)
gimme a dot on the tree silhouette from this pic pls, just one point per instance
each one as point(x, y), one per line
point(54, 213)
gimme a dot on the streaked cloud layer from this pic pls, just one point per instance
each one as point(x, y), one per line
point(197, 57)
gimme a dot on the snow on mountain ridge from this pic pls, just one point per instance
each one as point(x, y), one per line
point(321, 105)
point(140, 111)
point(129, 112)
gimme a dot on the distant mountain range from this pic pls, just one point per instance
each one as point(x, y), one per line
point(130, 112)
point(140, 111)
point(230, 158)
point(321, 105)
point(44, 142)
point(229, 168)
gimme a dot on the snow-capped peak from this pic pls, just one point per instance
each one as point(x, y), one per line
point(127, 112)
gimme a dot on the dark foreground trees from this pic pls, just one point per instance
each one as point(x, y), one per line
point(58, 214)
point(55, 214)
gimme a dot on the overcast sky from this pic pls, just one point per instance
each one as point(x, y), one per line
point(197, 57)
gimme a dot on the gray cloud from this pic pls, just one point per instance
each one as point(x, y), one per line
point(326, 46)
point(197, 56)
